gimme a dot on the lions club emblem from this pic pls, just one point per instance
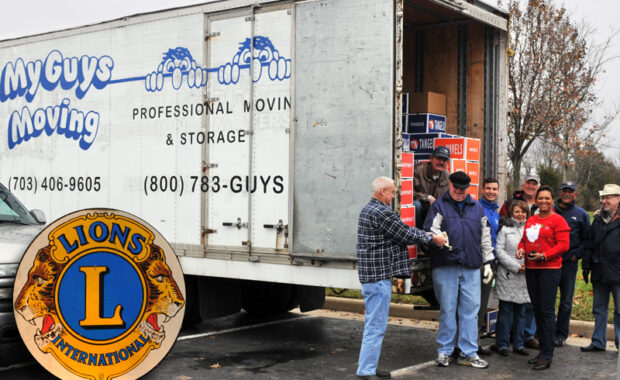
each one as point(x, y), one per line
point(99, 295)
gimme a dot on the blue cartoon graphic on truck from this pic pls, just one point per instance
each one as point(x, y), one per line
point(81, 74)
point(179, 65)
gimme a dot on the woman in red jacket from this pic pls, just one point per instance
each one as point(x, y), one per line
point(545, 238)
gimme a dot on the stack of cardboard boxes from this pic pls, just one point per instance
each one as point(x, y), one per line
point(424, 128)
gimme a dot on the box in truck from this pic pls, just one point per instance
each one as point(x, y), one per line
point(247, 135)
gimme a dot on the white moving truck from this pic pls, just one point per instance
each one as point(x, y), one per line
point(248, 133)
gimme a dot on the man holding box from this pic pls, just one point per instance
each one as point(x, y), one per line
point(430, 181)
point(382, 240)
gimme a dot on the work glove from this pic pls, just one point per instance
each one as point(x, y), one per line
point(487, 274)
point(586, 274)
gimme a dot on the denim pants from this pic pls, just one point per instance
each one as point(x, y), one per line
point(511, 316)
point(600, 309)
point(458, 291)
point(529, 330)
point(567, 291)
point(377, 296)
point(542, 286)
point(419, 214)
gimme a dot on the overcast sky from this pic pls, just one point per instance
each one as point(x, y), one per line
point(26, 17)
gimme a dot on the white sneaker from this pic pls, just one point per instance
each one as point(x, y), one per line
point(442, 360)
point(473, 361)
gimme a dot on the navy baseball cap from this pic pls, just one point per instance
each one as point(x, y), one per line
point(569, 185)
point(442, 151)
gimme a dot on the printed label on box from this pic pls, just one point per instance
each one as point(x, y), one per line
point(424, 142)
point(406, 192)
point(473, 171)
point(426, 123)
point(458, 165)
point(407, 215)
point(406, 142)
point(473, 191)
point(406, 170)
point(461, 147)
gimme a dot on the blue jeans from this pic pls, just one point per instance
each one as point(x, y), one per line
point(377, 296)
point(458, 291)
point(600, 309)
point(542, 286)
point(419, 214)
point(529, 331)
point(511, 316)
point(567, 291)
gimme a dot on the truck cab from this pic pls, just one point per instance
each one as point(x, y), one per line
point(18, 227)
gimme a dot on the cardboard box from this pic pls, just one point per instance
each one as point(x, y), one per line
point(406, 168)
point(461, 147)
point(427, 102)
point(406, 142)
point(458, 165)
point(406, 192)
point(413, 251)
point(424, 142)
point(473, 191)
point(425, 123)
point(404, 103)
point(491, 320)
point(407, 215)
point(473, 171)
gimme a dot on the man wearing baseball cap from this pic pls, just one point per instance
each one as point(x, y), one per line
point(430, 181)
point(456, 269)
point(601, 260)
point(579, 222)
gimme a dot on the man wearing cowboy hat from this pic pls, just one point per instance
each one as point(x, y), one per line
point(603, 262)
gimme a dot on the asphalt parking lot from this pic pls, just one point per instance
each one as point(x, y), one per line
point(324, 345)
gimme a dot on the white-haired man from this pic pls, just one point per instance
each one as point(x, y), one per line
point(382, 240)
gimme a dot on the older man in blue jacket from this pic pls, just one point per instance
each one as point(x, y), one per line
point(456, 269)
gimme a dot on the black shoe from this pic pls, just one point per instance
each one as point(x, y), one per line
point(483, 351)
point(559, 341)
point(521, 351)
point(542, 364)
point(591, 347)
point(383, 374)
point(503, 351)
point(368, 377)
point(532, 343)
point(533, 360)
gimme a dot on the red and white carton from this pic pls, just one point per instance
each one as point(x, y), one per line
point(406, 192)
point(464, 148)
point(406, 170)
point(407, 215)
point(473, 191)
point(458, 165)
point(413, 251)
point(473, 171)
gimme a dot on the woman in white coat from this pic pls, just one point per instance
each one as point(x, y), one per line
point(510, 285)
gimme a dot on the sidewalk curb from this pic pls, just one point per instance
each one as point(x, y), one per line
point(581, 328)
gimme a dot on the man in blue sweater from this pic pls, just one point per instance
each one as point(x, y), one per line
point(490, 190)
point(579, 222)
point(456, 269)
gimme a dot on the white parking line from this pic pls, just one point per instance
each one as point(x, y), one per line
point(15, 366)
point(414, 368)
point(248, 327)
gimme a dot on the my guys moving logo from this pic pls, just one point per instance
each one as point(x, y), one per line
point(80, 74)
point(102, 293)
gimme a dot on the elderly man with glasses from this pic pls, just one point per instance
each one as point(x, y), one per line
point(602, 262)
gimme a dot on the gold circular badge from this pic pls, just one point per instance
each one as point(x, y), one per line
point(99, 294)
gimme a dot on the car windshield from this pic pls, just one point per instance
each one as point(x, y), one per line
point(11, 211)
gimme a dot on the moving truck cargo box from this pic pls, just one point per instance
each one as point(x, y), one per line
point(428, 102)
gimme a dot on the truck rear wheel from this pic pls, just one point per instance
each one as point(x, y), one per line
point(263, 298)
point(192, 315)
point(429, 296)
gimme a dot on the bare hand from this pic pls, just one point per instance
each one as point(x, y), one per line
point(573, 258)
point(431, 199)
point(439, 240)
point(520, 254)
point(522, 269)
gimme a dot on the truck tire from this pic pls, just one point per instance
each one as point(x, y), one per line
point(429, 296)
point(192, 315)
point(264, 298)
